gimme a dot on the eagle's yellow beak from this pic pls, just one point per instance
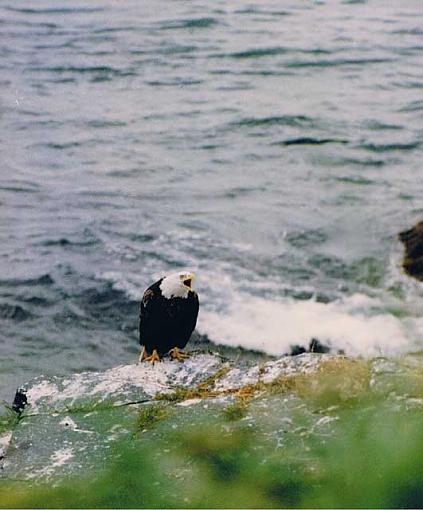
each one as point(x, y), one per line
point(187, 281)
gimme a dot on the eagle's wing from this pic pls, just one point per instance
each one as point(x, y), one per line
point(147, 311)
point(192, 317)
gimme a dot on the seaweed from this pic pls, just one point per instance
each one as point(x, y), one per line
point(151, 414)
point(235, 411)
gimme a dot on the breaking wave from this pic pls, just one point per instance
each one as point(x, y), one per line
point(382, 322)
point(358, 324)
point(275, 326)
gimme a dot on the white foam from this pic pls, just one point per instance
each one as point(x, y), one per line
point(352, 325)
point(359, 324)
point(410, 288)
point(134, 286)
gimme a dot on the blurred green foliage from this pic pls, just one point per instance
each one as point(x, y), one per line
point(8, 419)
point(374, 460)
point(370, 456)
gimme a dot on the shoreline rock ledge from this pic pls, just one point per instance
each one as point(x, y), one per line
point(69, 424)
point(75, 425)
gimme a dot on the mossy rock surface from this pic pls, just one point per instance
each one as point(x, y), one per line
point(71, 425)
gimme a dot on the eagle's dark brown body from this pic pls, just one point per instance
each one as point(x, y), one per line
point(166, 323)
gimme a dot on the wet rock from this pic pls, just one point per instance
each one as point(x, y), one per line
point(413, 256)
point(314, 346)
point(296, 350)
point(317, 346)
point(72, 425)
point(68, 425)
point(203, 343)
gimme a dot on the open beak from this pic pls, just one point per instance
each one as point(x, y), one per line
point(188, 281)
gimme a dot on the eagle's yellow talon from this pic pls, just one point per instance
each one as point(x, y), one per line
point(175, 353)
point(152, 358)
point(142, 355)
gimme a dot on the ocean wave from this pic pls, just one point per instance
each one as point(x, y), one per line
point(180, 82)
point(64, 242)
point(257, 53)
point(258, 10)
point(276, 326)
point(54, 10)
point(304, 238)
point(104, 71)
point(18, 189)
point(44, 279)
point(276, 120)
point(353, 179)
point(388, 147)
point(205, 22)
point(305, 140)
point(339, 62)
point(14, 312)
point(412, 106)
point(255, 318)
point(253, 53)
point(361, 162)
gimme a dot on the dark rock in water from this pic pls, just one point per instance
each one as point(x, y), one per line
point(413, 257)
point(296, 350)
point(203, 343)
point(314, 346)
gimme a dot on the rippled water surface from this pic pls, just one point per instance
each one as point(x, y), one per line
point(275, 147)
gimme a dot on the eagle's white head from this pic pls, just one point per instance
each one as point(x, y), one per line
point(177, 284)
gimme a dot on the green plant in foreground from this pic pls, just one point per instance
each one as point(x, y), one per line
point(235, 411)
point(371, 457)
point(373, 460)
point(150, 414)
point(8, 420)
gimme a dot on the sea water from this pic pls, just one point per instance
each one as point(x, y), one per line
point(273, 147)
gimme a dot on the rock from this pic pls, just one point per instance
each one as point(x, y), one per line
point(413, 257)
point(317, 346)
point(296, 350)
point(314, 346)
point(69, 424)
point(73, 425)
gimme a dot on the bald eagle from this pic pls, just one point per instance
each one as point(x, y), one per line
point(168, 315)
